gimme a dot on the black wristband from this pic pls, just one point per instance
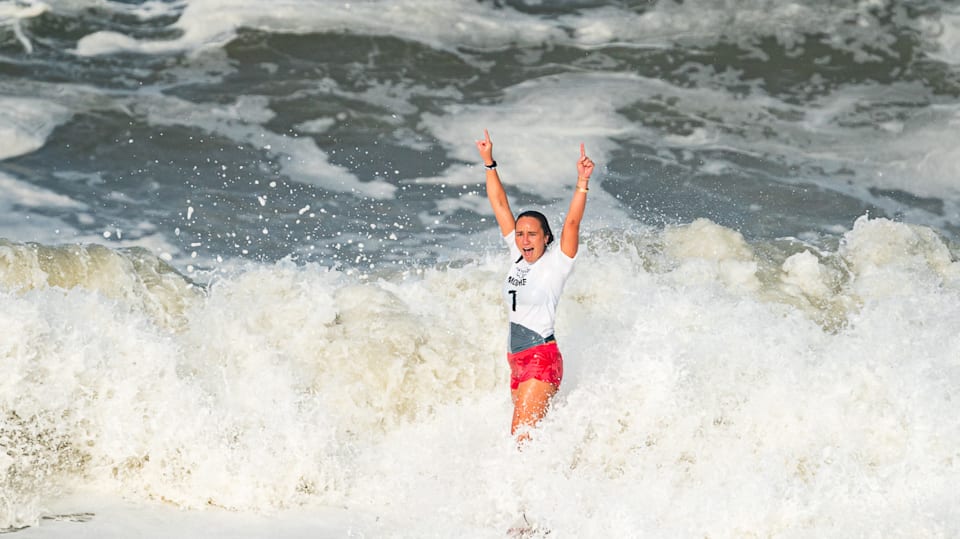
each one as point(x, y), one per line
point(491, 166)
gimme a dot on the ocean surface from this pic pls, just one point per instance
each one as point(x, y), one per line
point(250, 281)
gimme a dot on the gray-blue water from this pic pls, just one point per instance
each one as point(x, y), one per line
point(342, 132)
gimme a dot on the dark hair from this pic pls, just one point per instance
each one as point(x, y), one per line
point(543, 223)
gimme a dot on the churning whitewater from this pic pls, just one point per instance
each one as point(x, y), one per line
point(250, 280)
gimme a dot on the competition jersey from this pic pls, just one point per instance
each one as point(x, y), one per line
point(532, 292)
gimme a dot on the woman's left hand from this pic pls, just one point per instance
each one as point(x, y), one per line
point(584, 165)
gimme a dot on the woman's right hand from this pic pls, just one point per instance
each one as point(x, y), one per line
point(485, 147)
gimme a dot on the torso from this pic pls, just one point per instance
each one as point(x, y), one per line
point(532, 291)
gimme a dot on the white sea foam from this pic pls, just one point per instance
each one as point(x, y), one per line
point(923, 158)
point(534, 123)
point(206, 23)
point(25, 124)
point(537, 127)
point(448, 25)
point(946, 32)
point(536, 132)
point(717, 410)
point(33, 197)
point(11, 13)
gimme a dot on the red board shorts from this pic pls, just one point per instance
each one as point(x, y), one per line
point(542, 362)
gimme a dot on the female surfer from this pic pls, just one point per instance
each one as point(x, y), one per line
point(532, 289)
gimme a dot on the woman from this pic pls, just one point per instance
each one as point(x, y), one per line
point(532, 289)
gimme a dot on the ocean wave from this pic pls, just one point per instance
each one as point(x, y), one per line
point(281, 385)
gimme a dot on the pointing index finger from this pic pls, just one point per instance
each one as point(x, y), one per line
point(486, 135)
point(583, 151)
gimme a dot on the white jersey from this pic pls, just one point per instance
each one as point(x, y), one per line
point(532, 292)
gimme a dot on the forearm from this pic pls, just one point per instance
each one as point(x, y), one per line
point(570, 237)
point(495, 192)
point(498, 201)
point(577, 206)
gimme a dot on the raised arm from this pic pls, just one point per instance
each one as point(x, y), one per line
point(495, 192)
point(570, 235)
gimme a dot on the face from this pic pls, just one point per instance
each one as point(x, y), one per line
point(530, 238)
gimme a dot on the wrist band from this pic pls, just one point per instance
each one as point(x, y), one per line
point(582, 189)
point(491, 166)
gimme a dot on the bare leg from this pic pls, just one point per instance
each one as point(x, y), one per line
point(530, 402)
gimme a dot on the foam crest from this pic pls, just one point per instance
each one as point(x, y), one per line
point(897, 259)
point(708, 253)
point(876, 259)
point(134, 277)
point(804, 275)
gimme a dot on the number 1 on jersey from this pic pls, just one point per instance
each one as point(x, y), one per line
point(513, 295)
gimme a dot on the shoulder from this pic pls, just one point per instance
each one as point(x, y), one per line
point(556, 251)
point(511, 244)
point(558, 258)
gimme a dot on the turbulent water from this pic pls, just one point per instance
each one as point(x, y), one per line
point(246, 262)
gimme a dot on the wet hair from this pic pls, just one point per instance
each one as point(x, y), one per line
point(543, 223)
